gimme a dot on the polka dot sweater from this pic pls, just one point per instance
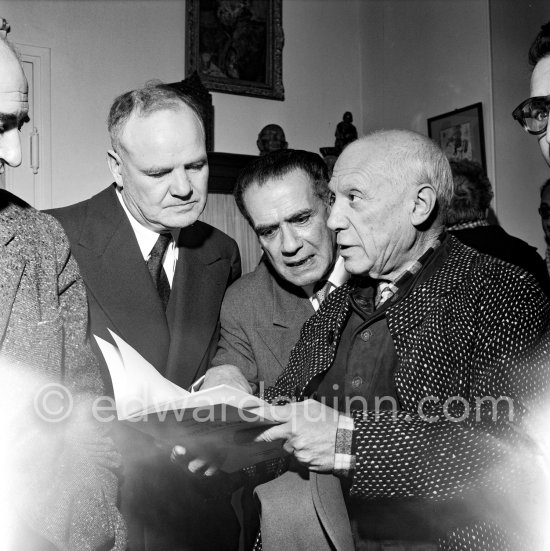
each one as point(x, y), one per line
point(473, 347)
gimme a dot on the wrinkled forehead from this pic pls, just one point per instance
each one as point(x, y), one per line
point(360, 165)
point(13, 86)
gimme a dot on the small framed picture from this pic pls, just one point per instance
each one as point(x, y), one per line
point(460, 134)
point(236, 47)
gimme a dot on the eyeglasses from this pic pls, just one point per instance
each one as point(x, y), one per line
point(544, 212)
point(532, 114)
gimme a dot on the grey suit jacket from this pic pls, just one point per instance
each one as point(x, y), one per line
point(261, 319)
point(62, 473)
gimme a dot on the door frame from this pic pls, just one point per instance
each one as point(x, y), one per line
point(40, 58)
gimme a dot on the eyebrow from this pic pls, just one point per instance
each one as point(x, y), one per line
point(10, 120)
point(295, 216)
point(155, 169)
point(202, 160)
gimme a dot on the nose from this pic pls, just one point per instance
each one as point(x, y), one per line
point(181, 184)
point(290, 241)
point(335, 221)
point(10, 147)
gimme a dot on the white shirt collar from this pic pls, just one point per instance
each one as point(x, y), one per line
point(337, 277)
point(146, 238)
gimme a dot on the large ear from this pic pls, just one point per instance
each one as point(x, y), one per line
point(424, 204)
point(115, 166)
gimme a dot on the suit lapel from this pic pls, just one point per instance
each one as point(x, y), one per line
point(12, 265)
point(119, 282)
point(326, 491)
point(193, 310)
point(289, 311)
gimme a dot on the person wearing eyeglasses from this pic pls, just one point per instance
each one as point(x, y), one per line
point(532, 114)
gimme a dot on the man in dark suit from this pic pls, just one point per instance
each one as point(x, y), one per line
point(156, 276)
point(433, 358)
point(59, 484)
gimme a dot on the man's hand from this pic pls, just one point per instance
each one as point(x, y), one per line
point(308, 429)
point(226, 375)
point(206, 465)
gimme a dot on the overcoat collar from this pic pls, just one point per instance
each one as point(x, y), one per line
point(12, 263)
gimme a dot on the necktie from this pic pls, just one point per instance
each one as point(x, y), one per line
point(383, 293)
point(160, 279)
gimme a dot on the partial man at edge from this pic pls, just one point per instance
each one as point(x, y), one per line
point(169, 313)
point(532, 114)
point(59, 486)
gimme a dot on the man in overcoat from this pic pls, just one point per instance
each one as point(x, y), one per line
point(59, 469)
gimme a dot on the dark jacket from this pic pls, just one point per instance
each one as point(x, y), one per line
point(165, 509)
point(495, 241)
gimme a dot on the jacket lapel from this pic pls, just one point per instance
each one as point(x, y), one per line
point(118, 281)
point(314, 355)
point(289, 312)
point(331, 509)
point(12, 265)
point(193, 310)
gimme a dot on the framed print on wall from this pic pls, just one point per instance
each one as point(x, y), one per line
point(236, 46)
point(460, 134)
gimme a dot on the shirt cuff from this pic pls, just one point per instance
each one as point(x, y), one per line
point(344, 459)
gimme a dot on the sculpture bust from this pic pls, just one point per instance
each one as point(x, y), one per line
point(345, 132)
point(271, 138)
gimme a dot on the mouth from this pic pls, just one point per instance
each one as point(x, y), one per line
point(299, 263)
point(186, 206)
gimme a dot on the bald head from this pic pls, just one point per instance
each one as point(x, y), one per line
point(14, 105)
point(391, 191)
point(405, 158)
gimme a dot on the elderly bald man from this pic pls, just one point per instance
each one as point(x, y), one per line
point(429, 358)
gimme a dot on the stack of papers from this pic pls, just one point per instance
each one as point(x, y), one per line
point(218, 423)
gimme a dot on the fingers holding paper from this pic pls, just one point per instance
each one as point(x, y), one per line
point(229, 375)
point(208, 464)
point(308, 430)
